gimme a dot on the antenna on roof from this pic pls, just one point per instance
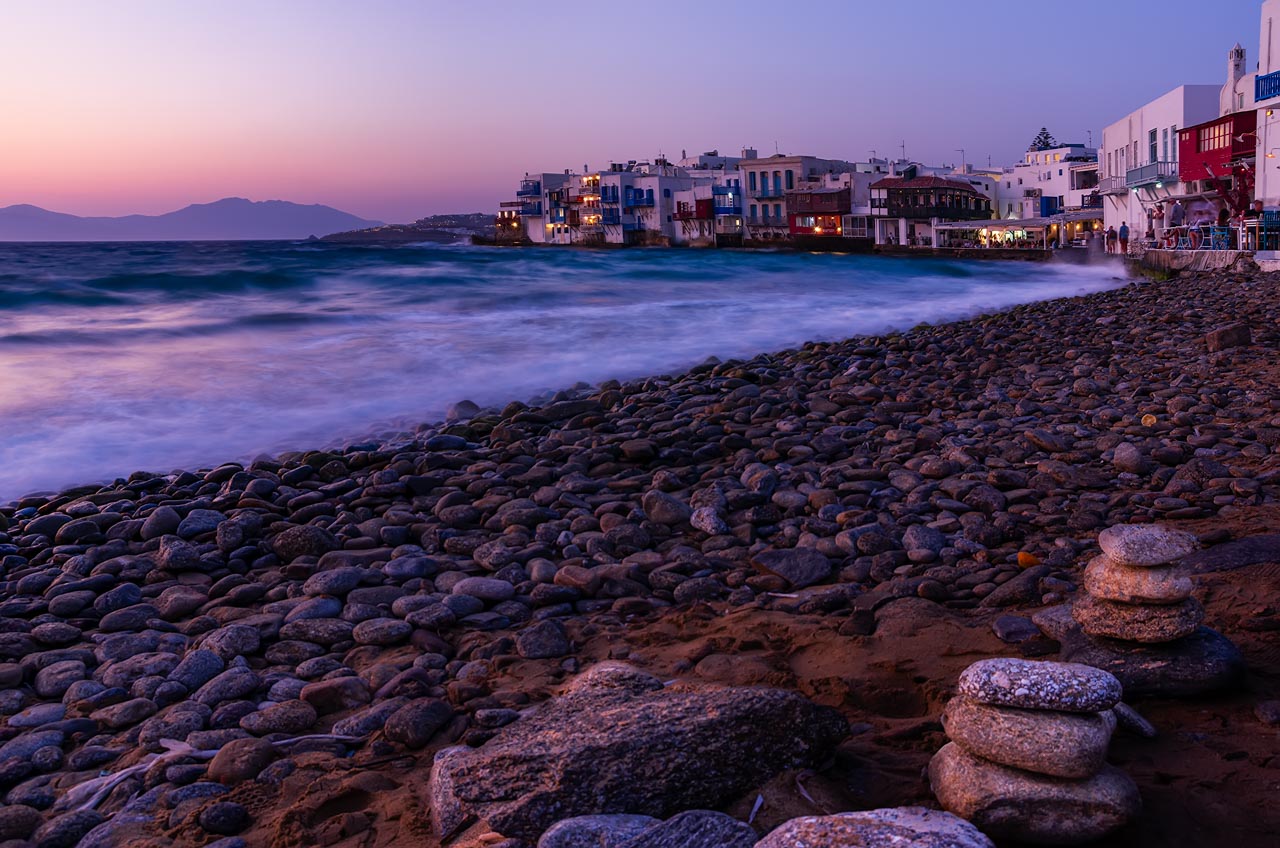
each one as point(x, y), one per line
point(775, 149)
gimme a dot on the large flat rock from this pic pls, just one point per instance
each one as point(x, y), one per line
point(617, 742)
point(1008, 803)
point(1205, 661)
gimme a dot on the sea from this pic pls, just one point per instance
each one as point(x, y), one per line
point(163, 356)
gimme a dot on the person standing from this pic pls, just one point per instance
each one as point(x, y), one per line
point(1178, 214)
point(1124, 239)
point(1111, 239)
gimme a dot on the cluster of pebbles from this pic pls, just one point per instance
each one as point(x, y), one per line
point(1027, 756)
point(373, 595)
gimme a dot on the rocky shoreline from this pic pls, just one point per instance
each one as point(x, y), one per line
point(275, 653)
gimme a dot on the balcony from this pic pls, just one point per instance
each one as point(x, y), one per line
point(638, 200)
point(946, 213)
point(765, 192)
point(1155, 172)
point(767, 222)
point(1112, 185)
point(531, 209)
point(1091, 201)
point(610, 218)
point(532, 189)
point(1266, 87)
point(728, 210)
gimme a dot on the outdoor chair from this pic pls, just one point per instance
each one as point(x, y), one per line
point(1219, 238)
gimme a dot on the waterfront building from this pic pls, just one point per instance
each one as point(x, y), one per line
point(906, 208)
point(1266, 103)
point(529, 212)
point(766, 183)
point(1138, 162)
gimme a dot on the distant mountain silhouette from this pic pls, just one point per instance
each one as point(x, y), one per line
point(229, 219)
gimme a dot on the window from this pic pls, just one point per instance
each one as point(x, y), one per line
point(777, 210)
point(751, 180)
point(753, 206)
point(666, 192)
point(1215, 137)
point(1173, 130)
point(1152, 149)
point(790, 180)
point(1057, 157)
point(1059, 172)
point(1164, 147)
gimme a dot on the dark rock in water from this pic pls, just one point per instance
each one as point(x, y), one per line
point(580, 754)
point(1205, 661)
point(696, 829)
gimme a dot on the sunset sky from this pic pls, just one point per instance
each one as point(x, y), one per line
point(396, 109)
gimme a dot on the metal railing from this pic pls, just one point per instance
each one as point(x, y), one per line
point(1112, 185)
point(1153, 172)
point(531, 209)
point(767, 222)
point(1267, 86)
point(529, 190)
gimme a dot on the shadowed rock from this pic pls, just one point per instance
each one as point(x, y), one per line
point(1202, 662)
point(616, 742)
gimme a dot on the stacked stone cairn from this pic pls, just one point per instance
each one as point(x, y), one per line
point(1135, 590)
point(1027, 756)
point(1135, 618)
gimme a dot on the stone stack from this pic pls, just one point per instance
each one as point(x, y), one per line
point(1135, 591)
point(1027, 756)
point(1136, 617)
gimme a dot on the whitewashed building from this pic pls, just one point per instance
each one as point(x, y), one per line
point(1138, 159)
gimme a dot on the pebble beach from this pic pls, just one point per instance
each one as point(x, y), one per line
point(777, 566)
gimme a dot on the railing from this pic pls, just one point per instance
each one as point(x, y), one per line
point(638, 200)
point(767, 222)
point(1091, 201)
point(610, 220)
point(766, 192)
point(1112, 185)
point(952, 213)
point(685, 215)
point(531, 209)
point(728, 210)
point(529, 190)
point(1267, 86)
point(1151, 173)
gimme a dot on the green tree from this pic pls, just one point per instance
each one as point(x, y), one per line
point(1044, 140)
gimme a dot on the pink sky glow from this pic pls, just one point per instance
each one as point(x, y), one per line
point(394, 109)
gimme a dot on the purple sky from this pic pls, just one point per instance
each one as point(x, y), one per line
point(394, 109)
